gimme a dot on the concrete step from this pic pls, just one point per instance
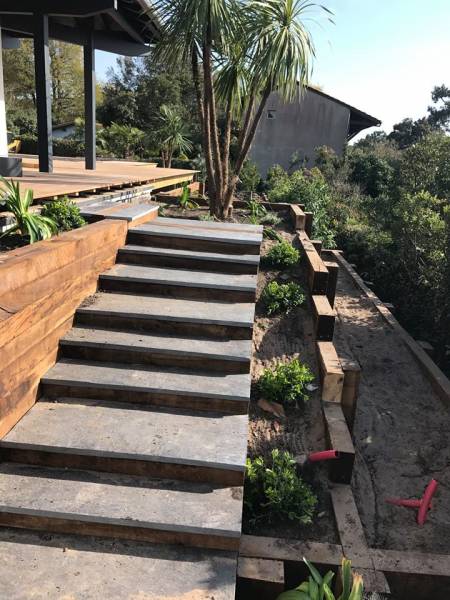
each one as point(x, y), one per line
point(58, 566)
point(195, 238)
point(215, 225)
point(96, 344)
point(129, 439)
point(179, 283)
point(120, 506)
point(169, 315)
point(133, 212)
point(188, 259)
point(149, 385)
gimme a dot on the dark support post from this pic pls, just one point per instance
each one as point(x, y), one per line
point(43, 97)
point(89, 102)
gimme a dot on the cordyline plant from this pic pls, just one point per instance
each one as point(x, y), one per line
point(239, 51)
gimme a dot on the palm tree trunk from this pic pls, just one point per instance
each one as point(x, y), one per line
point(248, 137)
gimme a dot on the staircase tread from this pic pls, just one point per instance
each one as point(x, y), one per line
point(226, 226)
point(238, 350)
point(231, 237)
point(121, 500)
point(233, 386)
point(84, 567)
point(240, 314)
point(251, 259)
point(126, 211)
point(122, 431)
point(181, 277)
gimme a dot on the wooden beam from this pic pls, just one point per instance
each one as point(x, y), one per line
point(290, 550)
point(259, 579)
point(331, 373)
point(43, 93)
point(297, 216)
point(339, 438)
point(333, 272)
point(89, 102)
point(324, 317)
point(352, 376)
point(317, 271)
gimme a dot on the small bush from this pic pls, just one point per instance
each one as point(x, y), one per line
point(282, 297)
point(271, 218)
point(273, 488)
point(286, 383)
point(269, 233)
point(65, 213)
point(282, 255)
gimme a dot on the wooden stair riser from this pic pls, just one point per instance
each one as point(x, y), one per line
point(200, 245)
point(188, 402)
point(216, 475)
point(135, 258)
point(174, 291)
point(153, 357)
point(58, 523)
point(132, 323)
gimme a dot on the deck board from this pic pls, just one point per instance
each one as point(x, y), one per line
point(69, 177)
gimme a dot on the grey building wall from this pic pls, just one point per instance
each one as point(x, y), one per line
point(299, 126)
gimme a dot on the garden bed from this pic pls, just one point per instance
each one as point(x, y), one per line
point(279, 339)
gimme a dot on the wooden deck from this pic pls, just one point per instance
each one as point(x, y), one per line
point(71, 178)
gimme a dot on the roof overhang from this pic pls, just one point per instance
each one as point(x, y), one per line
point(120, 26)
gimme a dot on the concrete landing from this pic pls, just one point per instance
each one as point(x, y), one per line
point(120, 506)
point(230, 393)
point(218, 225)
point(132, 212)
point(57, 567)
point(107, 432)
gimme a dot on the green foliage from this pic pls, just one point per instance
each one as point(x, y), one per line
point(33, 225)
point(282, 255)
point(269, 233)
point(318, 587)
point(307, 187)
point(281, 298)
point(121, 141)
point(271, 218)
point(185, 201)
point(64, 213)
point(286, 383)
point(249, 177)
point(173, 134)
point(274, 489)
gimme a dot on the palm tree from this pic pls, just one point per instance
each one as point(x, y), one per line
point(239, 51)
point(173, 134)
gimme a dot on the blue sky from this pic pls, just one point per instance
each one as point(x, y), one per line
point(382, 56)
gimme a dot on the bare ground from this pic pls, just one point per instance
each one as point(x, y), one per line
point(401, 431)
point(280, 339)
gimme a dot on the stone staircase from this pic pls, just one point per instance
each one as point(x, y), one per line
point(129, 470)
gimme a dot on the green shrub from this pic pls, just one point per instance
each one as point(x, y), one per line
point(27, 223)
point(271, 218)
point(185, 201)
point(282, 255)
point(317, 587)
point(249, 177)
point(282, 297)
point(65, 213)
point(273, 488)
point(269, 233)
point(286, 383)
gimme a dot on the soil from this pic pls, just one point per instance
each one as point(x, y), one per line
point(280, 339)
point(401, 431)
point(11, 242)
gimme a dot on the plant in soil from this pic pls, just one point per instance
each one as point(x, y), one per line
point(271, 218)
point(282, 255)
point(35, 226)
point(257, 211)
point(318, 587)
point(286, 383)
point(65, 213)
point(185, 201)
point(274, 489)
point(269, 233)
point(280, 298)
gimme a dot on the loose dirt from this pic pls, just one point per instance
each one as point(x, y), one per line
point(401, 431)
point(280, 339)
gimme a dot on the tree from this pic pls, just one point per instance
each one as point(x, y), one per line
point(173, 134)
point(20, 89)
point(239, 52)
point(409, 132)
point(122, 141)
point(439, 116)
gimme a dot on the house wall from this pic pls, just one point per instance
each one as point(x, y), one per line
point(299, 126)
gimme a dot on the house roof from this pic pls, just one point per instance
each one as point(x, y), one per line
point(359, 120)
point(120, 26)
